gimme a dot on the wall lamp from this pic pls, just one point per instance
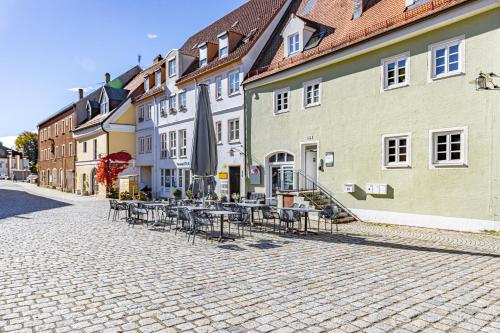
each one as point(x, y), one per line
point(484, 81)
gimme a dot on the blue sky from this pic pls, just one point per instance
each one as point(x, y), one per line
point(50, 47)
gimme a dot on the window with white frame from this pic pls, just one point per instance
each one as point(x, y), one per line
point(172, 68)
point(104, 104)
point(140, 114)
point(293, 43)
point(149, 143)
point(281, 100)
point(396, 71)
point(182, 143)
point(312, 93)
point(396, 150)
point(56, 129)
point(84, 147)
point(203, 55)
point(163, 146)
point(234, 130)
point(448, 147)
point(167, 178)
point(141, 145)
point(63, 127)
point(158, 78)
point(182, 101)
point(70, 149)
point(223, 46)
point(149, 112)
point(56, 152)
point(63, 150)
point(146, 83)
point(218, 87)
point(234, 83)
point(447, 58)
point(172, 101)
point(218, 131)
point(172, 142)
point(70, 123)
point(163, 107)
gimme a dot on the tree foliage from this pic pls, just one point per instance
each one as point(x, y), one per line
point(110, 167)
point(27, 142)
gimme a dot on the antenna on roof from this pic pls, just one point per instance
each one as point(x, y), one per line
point(139, 59)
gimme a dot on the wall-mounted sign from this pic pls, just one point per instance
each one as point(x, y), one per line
point(255, 172)
point(309, 137)
point(223, 175)
point(329, 159)
point(183, 164)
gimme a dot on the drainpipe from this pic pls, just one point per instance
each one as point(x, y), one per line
point(155, 128)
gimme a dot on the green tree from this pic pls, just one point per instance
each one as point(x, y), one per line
point(27, 142)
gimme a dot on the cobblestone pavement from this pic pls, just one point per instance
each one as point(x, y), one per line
point(65, 268)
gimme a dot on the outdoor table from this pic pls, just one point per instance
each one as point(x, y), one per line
point(222, 213)
point(252, 207)
point(191, 208)
point(304, 210)
point(156, 215)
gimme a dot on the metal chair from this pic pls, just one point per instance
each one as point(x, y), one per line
point(270, 214)
point(136, 214)
point(183, 218)
point(167, 215)
point(199, 221)
point(289, 217)
point(241, 220)
point(329, 213)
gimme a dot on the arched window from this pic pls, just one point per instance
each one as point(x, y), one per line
point(281, 158)
point(280, 173)
point(54, 177)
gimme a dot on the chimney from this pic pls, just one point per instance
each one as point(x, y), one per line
point(107, 78)
point(80, 94)
point(357, 8)
point(157, 59)
point(408, 3)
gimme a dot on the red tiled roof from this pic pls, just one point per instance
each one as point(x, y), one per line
point(138, 81)
point(249, 20)
point(336, 15)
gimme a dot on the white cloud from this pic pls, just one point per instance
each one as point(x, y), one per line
point(8, 141)
point(152, 36)
point(85, 89)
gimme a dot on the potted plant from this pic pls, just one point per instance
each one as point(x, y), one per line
point(236, 197)
point(213, 196)
point(177, 193)
point(188, 194)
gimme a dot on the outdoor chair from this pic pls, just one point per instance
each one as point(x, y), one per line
point(241, 220)
point(112, 207)
point(136, 214)
point(289, 218)
point(167, 215)
point(200, 221)
point(149, 210)
point(330, 213)
point(270, 214)
point(119, 207)
point(183, 219)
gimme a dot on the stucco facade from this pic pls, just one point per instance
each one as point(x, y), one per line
point(355, 113)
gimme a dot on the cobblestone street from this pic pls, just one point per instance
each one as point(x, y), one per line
point(65, 268)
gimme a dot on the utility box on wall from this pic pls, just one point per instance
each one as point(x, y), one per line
point(349, 188)
point(378, 189)
point(255, 175)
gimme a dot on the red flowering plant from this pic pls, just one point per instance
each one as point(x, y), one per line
point(110, 167)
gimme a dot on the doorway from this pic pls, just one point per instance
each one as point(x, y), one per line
point(310, 167)
point(234, 180)
point(94, 185)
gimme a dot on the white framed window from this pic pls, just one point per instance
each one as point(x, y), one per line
point(447, 58)
point(223, 45)
point(70, 149)
point(167, 178)
point(234, 130)
point(149, 113)
point(396, 71)
point(104, 104)
point(293, 43)
point(140, 114)
point(182, 100)
point(95, 149)
point(182, 143)
point(56, 129)
point(63, 126)
point(56, 152)
point(312, 93)
point(163, 107)
point(448, 147)
point(141, 145)
point(396, 150)
point(70, 123)
point(63, 150)
point(203, 55)
point(146, 83)
point(163, 146)
point(218, 132)
point(234, 83)
point(149, 143)
point(158, 78)
point(172, 136)
point(281, 100)
point(172, 102)
point(172, 68)
point(84, 147)
point(218, 87)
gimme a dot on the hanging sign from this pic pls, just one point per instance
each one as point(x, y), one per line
point(223, 175)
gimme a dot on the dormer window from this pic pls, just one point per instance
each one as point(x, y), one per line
point(146, 83)
point(223, 45)
point(203, 55)
point(293, 43)
point(158, 78)
point(172, 68)
point(104, 104)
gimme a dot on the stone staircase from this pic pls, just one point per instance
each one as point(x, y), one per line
point(319, 201)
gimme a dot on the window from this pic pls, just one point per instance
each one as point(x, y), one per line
point(203, 62)
point(396, 71)
point(104, 104)
point(70, 123)
point(141, 145)
point(234, 130)
point(85, 147)
point(448, 147)
point(173, 144)
point(150, 112)
point(218, 131)
point(312, 93)
point(447, 58)
point(163, 107)
point(56, 152)
point(172, 102)
point(396, 151)
point(223, 46)
point(146, 83)
point(63, 150)
point(182, 143)
point(167, 178)
point(218, 87)
point(172, 70)
point(140, 114)
point(95, 149)
point(149, 144)
point(203, 55)
point(63, 127)
point(158, 78)
point(182, 100)
point(70, 149)
point(163, 146)
point(234, 83)
point(281, 98)
point(293, 43)
point(56, 129)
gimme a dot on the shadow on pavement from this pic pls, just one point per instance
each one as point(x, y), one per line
point(14, 203)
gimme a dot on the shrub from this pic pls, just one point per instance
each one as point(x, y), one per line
point(125, 196)
point(177, 193)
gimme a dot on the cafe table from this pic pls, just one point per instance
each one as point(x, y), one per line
point(305, 210)
point(252, 206)
point(156, 214)
point(222, 214)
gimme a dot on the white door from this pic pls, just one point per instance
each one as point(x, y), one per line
point(311, 167)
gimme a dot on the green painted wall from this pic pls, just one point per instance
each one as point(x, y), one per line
point(355, 113)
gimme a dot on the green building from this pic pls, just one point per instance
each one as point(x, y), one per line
point(390, 106)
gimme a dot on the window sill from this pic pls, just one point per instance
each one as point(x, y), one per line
point(311, 105)
point(281, 112)
point(396, 166)
point(397, 86)
point(447, 75)
point(234, 142)
point(219, 98)
point(449, 165)
point(235, 94)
